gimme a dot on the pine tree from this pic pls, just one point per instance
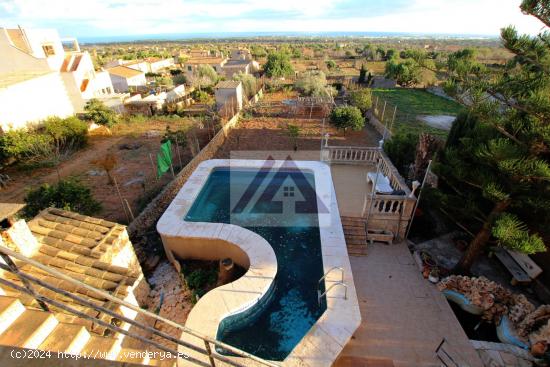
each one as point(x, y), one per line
point(495, 169)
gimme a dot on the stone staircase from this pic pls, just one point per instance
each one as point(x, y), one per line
point(26, 327)
point(356, 237)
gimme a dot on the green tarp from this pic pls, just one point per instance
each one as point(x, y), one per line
point(164, 158)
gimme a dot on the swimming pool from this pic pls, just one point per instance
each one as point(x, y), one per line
point(223, 309)
point(274, 326)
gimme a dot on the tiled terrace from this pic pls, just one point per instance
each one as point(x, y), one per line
point(404, 317)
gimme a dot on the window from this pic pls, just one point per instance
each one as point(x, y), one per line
point(189, 68)
point(48, 50)
point(288, 191)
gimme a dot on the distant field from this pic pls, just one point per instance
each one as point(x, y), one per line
point(411, 103)
point(376, 67)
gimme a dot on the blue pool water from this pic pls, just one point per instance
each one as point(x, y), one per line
point(273, 327)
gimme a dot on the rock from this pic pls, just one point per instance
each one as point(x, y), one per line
point(152, 261)
point(96, 173)
point(130, 146)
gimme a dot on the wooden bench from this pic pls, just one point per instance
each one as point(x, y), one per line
point(522, 268)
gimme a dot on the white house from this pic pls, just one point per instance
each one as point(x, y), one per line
point(156, 63)
point(125, 78)
point(149, 65)
point(42, 75)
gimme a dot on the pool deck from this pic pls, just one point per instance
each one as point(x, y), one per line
point(332, 331)
point(404, 317)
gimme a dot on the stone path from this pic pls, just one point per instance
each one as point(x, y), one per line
point(404, 317)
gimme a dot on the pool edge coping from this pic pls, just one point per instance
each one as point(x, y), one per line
point(331, 332)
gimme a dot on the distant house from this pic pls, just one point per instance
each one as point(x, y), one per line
point(229, 95)
point(233, 67)
point(43, 75)
point(148, 65)
point(156, 63)
point(240, 62)
point(140, 65)
point(191, 65)
point(125, 78)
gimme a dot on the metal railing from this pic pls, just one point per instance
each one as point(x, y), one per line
point(29, 281)
point(340, 282)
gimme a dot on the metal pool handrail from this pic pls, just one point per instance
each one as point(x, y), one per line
point(330, 270)
point(320, 295)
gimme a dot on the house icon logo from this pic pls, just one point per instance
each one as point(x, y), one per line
point(285, 191)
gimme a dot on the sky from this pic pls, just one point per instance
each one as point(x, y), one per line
point(102, 18)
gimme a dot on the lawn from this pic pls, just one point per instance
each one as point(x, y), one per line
point(411, 103)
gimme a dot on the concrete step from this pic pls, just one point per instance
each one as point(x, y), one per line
point(101, 347)
point(10, 310)
point(67, 338)
point(29, 330)
point(355, 237)
point(130, 355)
point(355, 231)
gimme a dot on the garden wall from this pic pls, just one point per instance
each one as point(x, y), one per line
point(151, 214)
point(378, 126)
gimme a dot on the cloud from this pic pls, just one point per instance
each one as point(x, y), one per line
point(124, 17)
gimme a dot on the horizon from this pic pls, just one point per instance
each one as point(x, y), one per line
point(153, 19)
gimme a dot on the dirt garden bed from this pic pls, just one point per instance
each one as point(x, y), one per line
point(131, 144)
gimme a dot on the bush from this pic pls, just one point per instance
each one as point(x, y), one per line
point(401, 149)
point(97, 112)
point(347, 117)
point(331, 64)
point(278, 65)
point(66, 194)
point(201, 96)
point(16, 145)
point(362, 99)
point(68, 132)
point(314, 84)
point(179, 79)
point(249, 83)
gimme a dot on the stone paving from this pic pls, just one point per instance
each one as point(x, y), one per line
point(404, 317)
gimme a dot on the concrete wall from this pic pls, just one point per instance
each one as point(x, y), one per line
point(14, 60)
point(121, 84)
point(224, 96)
point(34, 100)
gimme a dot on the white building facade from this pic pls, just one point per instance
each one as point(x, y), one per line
point(43, 75)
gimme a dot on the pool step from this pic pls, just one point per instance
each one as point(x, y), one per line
point(356, 238)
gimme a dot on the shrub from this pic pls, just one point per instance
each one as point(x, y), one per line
point(362, 99)
point(67, 194)
point(20, 144)
point(278, 65)
point(347, 117)
point(331, 64)
point(249, 83)
point(201, 96)
point(97, 112)
point(401, 149)
point(313, 84)
point(68, 132)
point(179, 79)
